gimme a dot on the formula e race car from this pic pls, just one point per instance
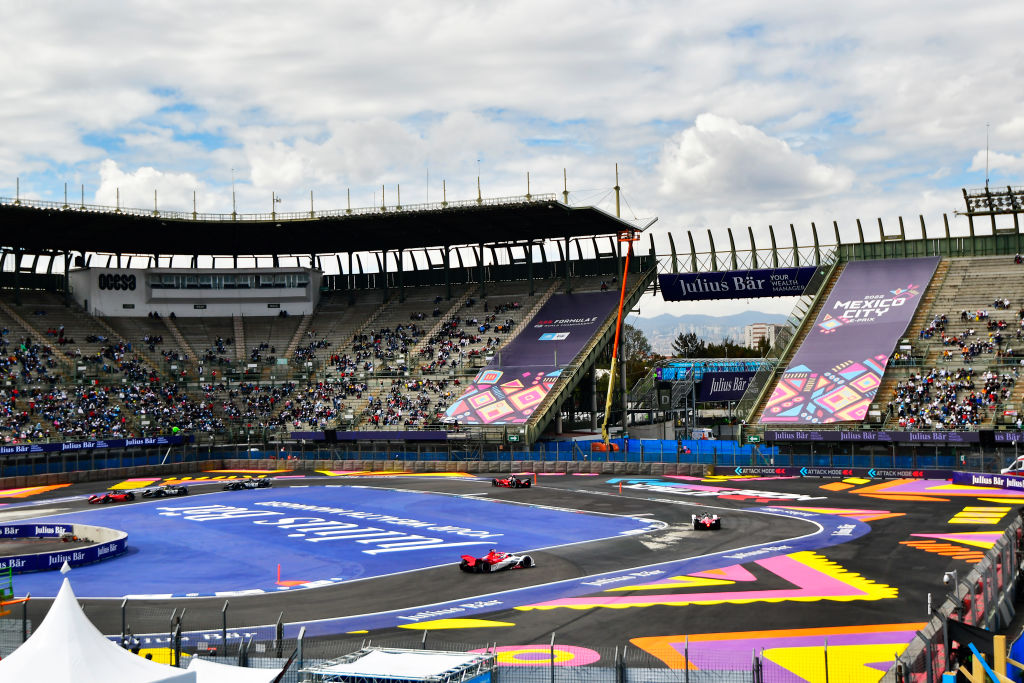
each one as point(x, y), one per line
point(494, 562)
point(512, 482)
point(248, 483)
point(112, 497)
point(706, 521)
point(162, 491)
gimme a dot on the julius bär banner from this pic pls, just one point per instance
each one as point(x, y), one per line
point(723, 386)
point(836, 371)
point(519, 377)
point(873, 436)
point(735, 284)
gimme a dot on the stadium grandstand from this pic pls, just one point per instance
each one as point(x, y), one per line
point(482, 327)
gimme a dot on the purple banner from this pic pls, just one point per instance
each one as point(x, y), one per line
point(735, 284)
point(872, 435)
point(723, 386)
point(1000, 436)
point(38, 562)
point(519, 377)
point(1003, 481)
point(145, 441)
point(836, 371)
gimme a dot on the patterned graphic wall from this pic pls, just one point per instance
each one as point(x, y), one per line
point(835, 373)
point(512, 385)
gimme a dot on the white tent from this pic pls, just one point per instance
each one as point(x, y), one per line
point(214, 672)
point(67, 647)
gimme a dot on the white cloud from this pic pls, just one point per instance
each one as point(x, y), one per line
point(1013, 163)
point(719, 116)
point(719, 160)
point(174, 191)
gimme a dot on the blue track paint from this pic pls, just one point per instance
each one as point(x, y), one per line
point(829, 530)
point(231, 542)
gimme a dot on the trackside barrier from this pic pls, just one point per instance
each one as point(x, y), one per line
point(541, 662)
point(984, 598)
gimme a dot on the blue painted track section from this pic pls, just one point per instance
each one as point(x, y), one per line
point(230, 542)
point(824, 531)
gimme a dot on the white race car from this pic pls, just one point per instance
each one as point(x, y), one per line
point(495, 561)
point(706, 521)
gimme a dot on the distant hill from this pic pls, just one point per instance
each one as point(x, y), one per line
point(662, 329)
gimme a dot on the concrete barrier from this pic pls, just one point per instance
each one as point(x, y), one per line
point(103, 544)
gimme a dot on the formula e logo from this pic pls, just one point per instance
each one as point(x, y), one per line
point(554, 336)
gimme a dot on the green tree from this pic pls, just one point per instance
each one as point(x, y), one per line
point(634, 343)
point(727, 348)
point(689, 345)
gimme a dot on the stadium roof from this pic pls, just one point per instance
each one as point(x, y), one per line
point(48, 226)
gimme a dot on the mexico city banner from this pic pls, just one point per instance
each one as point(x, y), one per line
point(520, 375)
point(735, 284)
point(836, 371)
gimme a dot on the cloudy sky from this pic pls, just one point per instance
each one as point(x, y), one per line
point(718, 114)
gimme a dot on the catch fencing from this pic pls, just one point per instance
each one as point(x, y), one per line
point(984, 598)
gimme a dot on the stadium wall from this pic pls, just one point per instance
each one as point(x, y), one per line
point(130, 293)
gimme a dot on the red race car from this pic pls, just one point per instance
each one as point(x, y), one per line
point(512, 482)
point(112, 497)
point(706, 521)
point(494, 561)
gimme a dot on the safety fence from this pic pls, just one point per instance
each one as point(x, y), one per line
point(984, 598)
point(15, 628)
point(543, 662)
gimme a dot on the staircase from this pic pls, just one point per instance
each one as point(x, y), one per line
point(154, 362)
point(180, 339)
point(67, 363)
point(301, 330)
point(239, 341)
point(927, 310)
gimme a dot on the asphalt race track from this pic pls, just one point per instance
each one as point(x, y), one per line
point(617, 560)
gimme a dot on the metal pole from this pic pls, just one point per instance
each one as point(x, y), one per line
point(929, 667)
point(686, 656)
point(826, 660)
point(224, 628)
point(552, 653)
point(279, 635)
point(124, 620)
point(24, 618)
point(302, 635)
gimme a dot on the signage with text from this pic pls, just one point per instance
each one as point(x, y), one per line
point(735, 284)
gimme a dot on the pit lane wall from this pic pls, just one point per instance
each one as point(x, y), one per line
point(107, 543)
point(834, 375)
point(1002, 481)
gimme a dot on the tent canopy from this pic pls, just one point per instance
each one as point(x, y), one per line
point(214, 672)
point(67, 647)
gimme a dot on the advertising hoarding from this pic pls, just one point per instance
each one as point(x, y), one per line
point(735, 284)
point(836, 371)
point(515, 382)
